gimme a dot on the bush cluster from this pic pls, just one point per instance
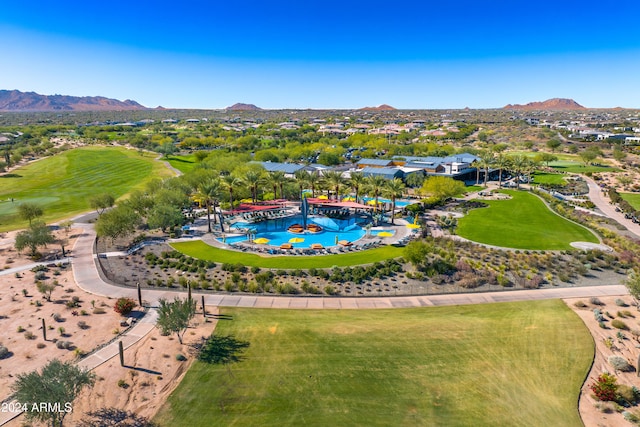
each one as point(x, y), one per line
point(124, 306)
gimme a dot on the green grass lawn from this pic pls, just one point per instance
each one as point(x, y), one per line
point(183, 163)
point(64, 183)
point(199, 249)
point(633, 199)
point(549, 178)
point(524, 222)
point(572, 163)
point(516, 364)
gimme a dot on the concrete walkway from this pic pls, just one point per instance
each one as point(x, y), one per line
point(602, 202)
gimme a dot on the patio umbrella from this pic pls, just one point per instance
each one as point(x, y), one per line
point(261, 241)
point(296, 240)
point(323, 197)
point(385, 234)
point(413, 226)
point(372, 202)
point(349, 199)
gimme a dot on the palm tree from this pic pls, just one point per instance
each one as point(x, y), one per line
point(501, 162)
point(375, 185)
point(314, 180)
point(276, 179)
point(486, 161)
point(394, 188)
point(253, 179)
point(230, 182)
point(357, 181)
point(334, 179)
point(302, 178)
point(209, 192)
point(518, 162)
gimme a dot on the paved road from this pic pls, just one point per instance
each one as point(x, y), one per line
point(602, 202)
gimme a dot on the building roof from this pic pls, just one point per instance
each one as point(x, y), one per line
point(281, 167)
point(388, 173)
point(375, 162)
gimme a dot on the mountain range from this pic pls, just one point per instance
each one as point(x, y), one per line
point(15, 100)
point(549, 104)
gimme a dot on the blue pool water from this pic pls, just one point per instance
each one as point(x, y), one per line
point(399, 203)
point(275, 231)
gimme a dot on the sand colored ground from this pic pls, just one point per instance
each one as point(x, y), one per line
point(627, 348)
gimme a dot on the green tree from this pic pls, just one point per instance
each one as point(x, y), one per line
point(29, 211)
point(118, 222)
point(334, 180)
point(633, 285)
point(553, 144)
point(518, 163)
point(102, 202)
point(113, 417)
point(57, 386)
point(174, 317)
point(394, 188)
point(416, 252)
point(164, 216)
point(589, 155)
point(440, 188)
point(374, 187)
point(46, 289)
point(276, 179)
point(253, 179)
point(230, 182)
point(501, 163)
point(38, 234)
point(357, 181)
point(546, 158)
point(209, 193)
point(486, 161)
point(166, 149)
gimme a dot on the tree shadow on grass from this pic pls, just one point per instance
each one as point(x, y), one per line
point(223, 350)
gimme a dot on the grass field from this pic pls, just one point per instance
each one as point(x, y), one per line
point(199, 249)
point(63, 184)
point(633, 199)
point(524, 222)
point(515, 364)
point(183, 163)
point(572, 163)
point(549, 178)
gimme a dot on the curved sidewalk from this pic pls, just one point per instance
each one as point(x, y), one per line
point(87, 277)
point(601, 201)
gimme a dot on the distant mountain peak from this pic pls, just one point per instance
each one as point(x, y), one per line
point(243, 107)
point(15, 100)
point(549, 104)
point(383, 107)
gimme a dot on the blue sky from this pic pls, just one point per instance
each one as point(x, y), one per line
point(325, 54)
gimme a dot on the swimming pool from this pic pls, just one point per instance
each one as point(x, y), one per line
point(275, 231)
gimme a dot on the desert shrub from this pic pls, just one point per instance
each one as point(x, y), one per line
point(41, 345)
point(605, 407)
point(595, 301)
point(57, 317)
point(626, 313)
point(98, 310)
point(20, 329)
point(620, 303)
point(83, 325)
point(29, 335)
point(619, 324)
point(124, 306)
point(123, 384)
point(580, 304)
point(4, 352)
point(66, 345)
point(180, 357)
point(631, 417)
point(627, 394)
point(605, 388)
point(619, 363)
point(597, 314)
point(330, 290)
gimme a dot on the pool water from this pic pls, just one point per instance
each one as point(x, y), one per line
point(275, 231)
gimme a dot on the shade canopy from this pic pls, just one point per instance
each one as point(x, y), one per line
point(296, 240)
point(385, 234)
point(261, 241)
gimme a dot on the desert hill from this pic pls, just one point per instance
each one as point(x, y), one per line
point(15, 100)
point(549, 104)
point(243, 107)
point(383, 107)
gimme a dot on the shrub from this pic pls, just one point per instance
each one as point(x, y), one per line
point(57, 317)
point(29, 335)
point(124, 306)
point(597, 314)
point(595, 301)
point(20, 329)
point(619, 363)
point(98, 310)
point(580, 304)
point(66, 345)
point(627, 394)
point(620, 303)
point(4, 352)
point(83, 325)
point(619, 324)
point(123, 384)
point(605, 388)
point(180, 357)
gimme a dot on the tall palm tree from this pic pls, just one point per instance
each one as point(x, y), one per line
point(209, 192)
point(394, 188)
point(276, 179)
point(517, 163)
point(253, 179)
point(357, 181)
point(229, 182)
point(501, 162)
point(302, 178)
point(334, 180)
point(486, 161)
point(375, 185)
point(314, 181)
